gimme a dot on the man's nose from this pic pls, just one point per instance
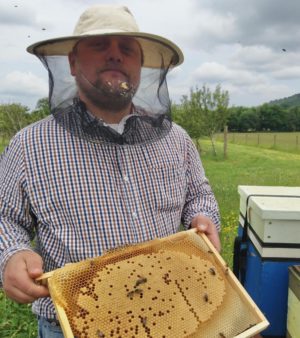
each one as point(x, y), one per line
point(114, 54)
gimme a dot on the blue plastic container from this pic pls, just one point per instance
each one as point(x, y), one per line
point(267, 248)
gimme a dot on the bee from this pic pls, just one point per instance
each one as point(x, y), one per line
point(212, 271)
point(205, 297)
point(130, 294)
point(144, 321)
point(166, 278)
point(124, 85)
point(140, 281)
point(100, 334)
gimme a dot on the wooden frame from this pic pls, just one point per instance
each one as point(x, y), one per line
point(262, 322)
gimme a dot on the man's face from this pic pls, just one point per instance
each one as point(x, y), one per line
point(107, 70)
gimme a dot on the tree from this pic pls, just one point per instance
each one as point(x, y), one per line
point(213, 110)
point(250, 120)
point(13, 117)
point(221, 98)
point(203, 112)
point(272, 117)
point(188, 115)
point(293, 119)
point(234, 118)
point(42, 109)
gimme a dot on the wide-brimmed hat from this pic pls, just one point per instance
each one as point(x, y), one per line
point(103, 20)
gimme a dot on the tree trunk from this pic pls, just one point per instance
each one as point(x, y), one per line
point(213, 144)
point(198, 146)
point(225, 141)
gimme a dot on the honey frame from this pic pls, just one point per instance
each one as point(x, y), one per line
point(262, 322)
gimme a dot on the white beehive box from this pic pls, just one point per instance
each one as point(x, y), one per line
point(273, 214)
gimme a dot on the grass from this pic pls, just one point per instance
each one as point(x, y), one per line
point(246, 165)
point(3, 144)
point(271, 140)
point(16, 321)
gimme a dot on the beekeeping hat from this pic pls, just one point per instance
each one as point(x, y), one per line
point(102, 20)
point(152, 117)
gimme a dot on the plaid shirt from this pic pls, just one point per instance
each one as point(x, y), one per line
point(80, 199)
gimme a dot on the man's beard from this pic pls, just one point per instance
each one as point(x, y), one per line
point(105, 94)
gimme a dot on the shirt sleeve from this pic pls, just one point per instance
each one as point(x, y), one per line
point(16, 230)
point(200, 198)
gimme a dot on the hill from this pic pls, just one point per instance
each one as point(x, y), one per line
point(287, 102)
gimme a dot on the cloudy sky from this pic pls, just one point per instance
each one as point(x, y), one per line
point(250, 47)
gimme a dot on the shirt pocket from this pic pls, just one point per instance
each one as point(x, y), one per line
point(168, 185)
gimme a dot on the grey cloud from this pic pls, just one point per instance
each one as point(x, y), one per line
point(274, 23)
point(211, 72)
point(16, 16)
point(287, 73)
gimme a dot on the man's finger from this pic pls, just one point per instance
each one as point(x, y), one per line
point(37, 291)
point(211, 233)
point(29, 292)
point(202, 227)
point(34, 265)
point(18, 295)
point(19, 277)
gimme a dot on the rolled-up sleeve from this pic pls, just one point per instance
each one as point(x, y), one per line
point(16, 231)
point(200, 198)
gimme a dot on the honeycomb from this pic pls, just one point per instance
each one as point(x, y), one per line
point(164, 288)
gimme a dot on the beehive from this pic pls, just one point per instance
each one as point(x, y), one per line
point(173, 287)
point(272, 219)
point(293, 316)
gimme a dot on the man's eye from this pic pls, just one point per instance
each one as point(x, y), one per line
point(127, 49)
point(100, 45)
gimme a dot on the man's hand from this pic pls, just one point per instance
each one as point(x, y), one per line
point(204, 224)
point(19, 277)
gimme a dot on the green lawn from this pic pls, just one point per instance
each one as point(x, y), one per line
point(16, 321)
point(246, 165)
point(284, 141)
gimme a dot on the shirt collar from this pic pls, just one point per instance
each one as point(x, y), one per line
point(118, 127)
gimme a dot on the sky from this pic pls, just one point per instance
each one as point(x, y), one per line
point(249, 47)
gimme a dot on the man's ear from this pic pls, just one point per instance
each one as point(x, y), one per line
point(72, 61)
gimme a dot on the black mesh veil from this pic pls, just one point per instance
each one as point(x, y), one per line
point(150, 120)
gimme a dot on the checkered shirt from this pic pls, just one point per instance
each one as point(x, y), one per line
point(79, 199)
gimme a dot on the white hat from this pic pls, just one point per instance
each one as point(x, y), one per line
point(112, 20)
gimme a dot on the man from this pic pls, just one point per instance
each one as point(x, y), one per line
point(107, 168)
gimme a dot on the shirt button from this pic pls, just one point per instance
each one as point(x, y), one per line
point(134, 215)
point(126, 179)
